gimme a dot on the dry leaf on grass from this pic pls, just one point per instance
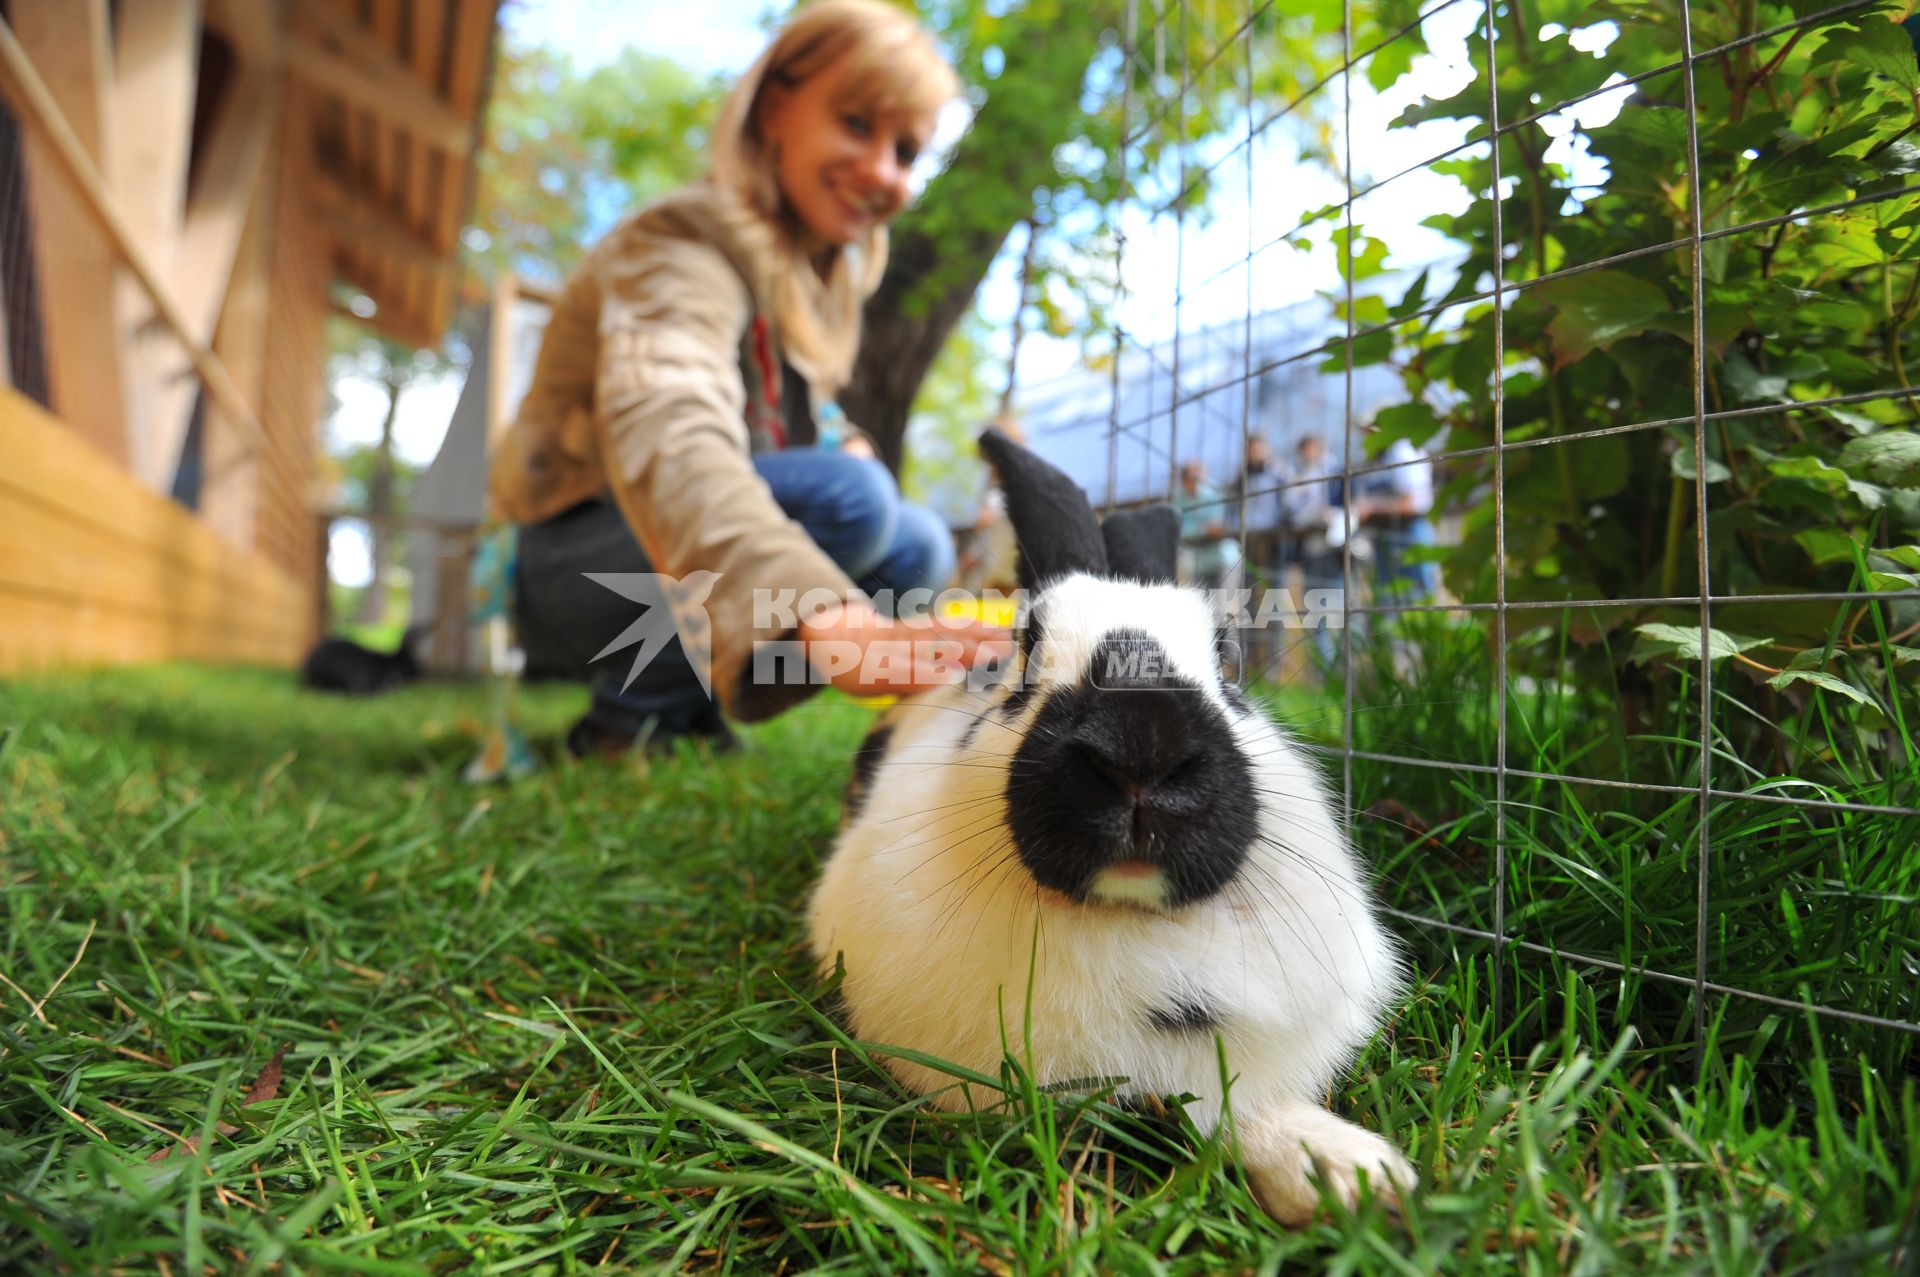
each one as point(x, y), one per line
point(264, 1088)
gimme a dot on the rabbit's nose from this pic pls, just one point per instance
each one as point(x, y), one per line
point(1139, 742)
point(1136, 772)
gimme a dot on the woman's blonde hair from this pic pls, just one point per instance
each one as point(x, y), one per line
point(893, 68)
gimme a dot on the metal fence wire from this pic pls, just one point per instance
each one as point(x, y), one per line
point(1715, 846)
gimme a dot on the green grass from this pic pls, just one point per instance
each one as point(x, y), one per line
point(571, 1024)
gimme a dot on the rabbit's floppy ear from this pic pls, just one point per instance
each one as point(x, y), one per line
point(1143, 545)
point(1051, 519)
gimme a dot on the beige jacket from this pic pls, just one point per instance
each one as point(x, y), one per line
point(639, 391)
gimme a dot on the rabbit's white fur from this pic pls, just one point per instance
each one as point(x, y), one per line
point(952, 949)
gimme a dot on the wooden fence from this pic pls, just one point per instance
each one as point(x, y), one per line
point(97, 569)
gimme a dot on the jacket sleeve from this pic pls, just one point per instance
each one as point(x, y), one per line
point(669, 405)
point(548, 458)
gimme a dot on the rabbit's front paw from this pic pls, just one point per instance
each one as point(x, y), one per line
point(1288, 1146)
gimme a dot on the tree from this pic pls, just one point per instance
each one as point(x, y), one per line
point(1060, 102)
point(566, 154)
point(376, 484)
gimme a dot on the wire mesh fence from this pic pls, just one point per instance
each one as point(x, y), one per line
point(1596, 315)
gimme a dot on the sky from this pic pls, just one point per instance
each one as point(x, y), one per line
point(724, 36)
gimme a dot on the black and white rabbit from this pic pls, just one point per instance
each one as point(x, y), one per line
point(1111, 862)
point(341, 665)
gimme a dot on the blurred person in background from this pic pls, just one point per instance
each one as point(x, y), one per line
point(1255, 510)
point(1311, 503)
point(1393, 505)
point(1212, 557)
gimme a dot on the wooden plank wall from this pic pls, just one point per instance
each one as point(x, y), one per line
point(293, 376)
point(95, 569)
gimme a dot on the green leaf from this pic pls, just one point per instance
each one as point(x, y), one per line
point(1748, 384)
point(1596, 308)
point(1663, 128)
point(1819, 678)
point(1413, 299)
point(1858, 422)
point(1829, 314)
point(1368, 261)
point(1891, 457)
point(1812, 469)
point(1906, 556)
point(1876, 44)
point(1892, 582)
point(1683, 641)
point(1369, 310)
point(1717, 472)
point(1413, 422)
point(1386, 66)
point(1367, 348)
point(1827, 545)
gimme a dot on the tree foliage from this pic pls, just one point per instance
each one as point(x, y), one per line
point(1067, 130)
point(567, 153)
point(1810, 281)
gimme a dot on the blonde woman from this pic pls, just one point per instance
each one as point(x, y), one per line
point(693, 357)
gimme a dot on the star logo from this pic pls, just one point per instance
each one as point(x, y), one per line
point(674, 607)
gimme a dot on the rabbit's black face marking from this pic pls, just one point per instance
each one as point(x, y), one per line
point(1009, 708)
point(1018, 699)
point(1029, 635)
point(1185, 1014)
point(866, 761)
point(1129, 787)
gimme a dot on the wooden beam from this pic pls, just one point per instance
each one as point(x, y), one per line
point(386, 141)
point(229, 487)
point(296, 352)
point(328, 51)
point(373, 228)
point(223, 196)
point(475, 23)
point(217, 209)
point(67, 42)
point(156, 57)
point(38, 111)
point(426, 167)
point(257, 30)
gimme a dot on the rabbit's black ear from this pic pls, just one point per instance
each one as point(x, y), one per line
point(1143, 545)
point(1051, 519)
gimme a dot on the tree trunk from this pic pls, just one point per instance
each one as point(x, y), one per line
point(380, 537)
point(900, 342)
point(942, 249)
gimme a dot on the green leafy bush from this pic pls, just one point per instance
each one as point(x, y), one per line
point(1809, 277)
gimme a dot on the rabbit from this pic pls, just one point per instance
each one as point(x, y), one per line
point(341, 665)
point(1110, 864)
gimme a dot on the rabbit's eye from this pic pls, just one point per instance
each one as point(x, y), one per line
point(1228, 658)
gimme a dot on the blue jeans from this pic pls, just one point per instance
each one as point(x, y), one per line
point(851, 508)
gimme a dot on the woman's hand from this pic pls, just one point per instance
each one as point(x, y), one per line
point(866, 654)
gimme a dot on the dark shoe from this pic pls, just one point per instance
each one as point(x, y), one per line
point(593, 737)
point(589, 738)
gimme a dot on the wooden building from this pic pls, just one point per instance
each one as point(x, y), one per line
point(188, 188)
